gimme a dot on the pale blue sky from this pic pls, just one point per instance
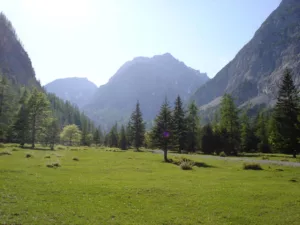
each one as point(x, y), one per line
point(93, 38)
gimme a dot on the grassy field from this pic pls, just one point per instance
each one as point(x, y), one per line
point(113, 187)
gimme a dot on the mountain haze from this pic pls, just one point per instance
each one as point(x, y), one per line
point(76, 90)
point(254, 73)
point(148, 80)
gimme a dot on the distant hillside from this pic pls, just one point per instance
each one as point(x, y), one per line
point(148, 80)
point(15, 63)
point(76, 90)
point(253, 75)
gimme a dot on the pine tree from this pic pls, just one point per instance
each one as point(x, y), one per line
point(162, 131)
point(137, 128)
point(21, 125)
point(180, 124)
point(129, 134)
point(113, 136)
point(98, 136)
point(38, 110)
point(123, 139)
point(229, 123)
point(246, 133)
point(262, 133)
point(52, 132)
point(207, 140)
point(285, 114)
point(193, 127)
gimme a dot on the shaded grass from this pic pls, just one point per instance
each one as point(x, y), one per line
point(132, 188)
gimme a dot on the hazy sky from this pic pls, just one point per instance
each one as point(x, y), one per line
point(93, 38)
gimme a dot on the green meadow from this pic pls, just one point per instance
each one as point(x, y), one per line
point(109, 186)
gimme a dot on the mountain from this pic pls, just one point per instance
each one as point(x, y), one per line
point(148, 80)
point(15, 63)
point(254, 73)
point(76, 90)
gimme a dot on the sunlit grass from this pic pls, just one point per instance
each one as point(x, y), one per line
point(110, 186)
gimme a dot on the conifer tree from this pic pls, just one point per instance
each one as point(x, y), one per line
point(21, 125)
point(123, 139)
point(246, 133)
point(193, 127)
point(207, 140)
point(113, 136)
point(162, 131)
point(180, 124)
point(38, 110)
point(262, 133)
point(137, 127)
point(52, 132)
point(229, 123)
point(286, 111)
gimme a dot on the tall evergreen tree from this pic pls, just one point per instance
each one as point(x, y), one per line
point(262, 133)
point(162, 131)
point(114, 136)
point(21, 125)
point(246, 133)
point(38, 110)
point(137, 128)
point(193, 127)
point(52, 132)
point(123, 139)
point(98, 136)
point(207, 140)
point(180, 124)
point(285, 114)
point(129, 134)
point(229, 122)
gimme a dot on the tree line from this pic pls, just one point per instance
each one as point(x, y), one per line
point(272, 130)
point(28, 116)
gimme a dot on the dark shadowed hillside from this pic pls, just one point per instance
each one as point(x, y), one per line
point(76, 90)
point(15, 63)
point(254, 73)
point(148, 80)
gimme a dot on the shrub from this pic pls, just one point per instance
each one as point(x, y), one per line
point(15, 149)
point(47, 157)
point(2, 145)
point(252, 166)
point(53, 165)
point(28, 155)
point(61, 148)
point(186, 165)
point(75, 159)
point(5, 153)
point(181, 159)
point(222, 154)
point(265, 157)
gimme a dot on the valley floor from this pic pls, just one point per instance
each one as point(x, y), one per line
point(108, 186)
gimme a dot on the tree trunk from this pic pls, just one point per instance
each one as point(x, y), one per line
point(294, 154)
point(166, 155)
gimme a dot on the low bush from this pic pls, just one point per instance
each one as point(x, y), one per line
point(28, 155)
point(75, 159)
point(2, 145)
point(222, 154)
point(265, 157)
point(5, 153)
point(47, 157)
point(186, 165)
point(53, 165)
point(252, 166)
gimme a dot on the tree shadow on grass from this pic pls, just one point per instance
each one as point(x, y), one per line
point(197, 164)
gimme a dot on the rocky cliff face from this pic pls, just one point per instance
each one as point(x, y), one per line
point(76, 90)
point(14, 60)
point(148, 80)
point(254, 73)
